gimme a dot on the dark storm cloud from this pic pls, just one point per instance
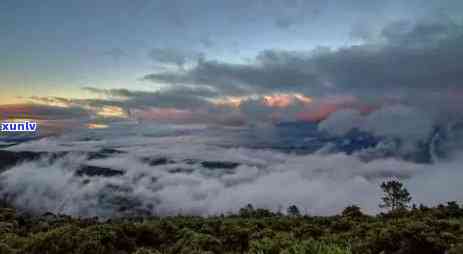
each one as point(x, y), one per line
point(239, 79)
point(423, 57)
point(420, 58)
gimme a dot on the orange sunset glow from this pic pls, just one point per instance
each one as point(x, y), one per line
point(97, 126)
point(112, 111)
point(272, 100)
point(284, 100)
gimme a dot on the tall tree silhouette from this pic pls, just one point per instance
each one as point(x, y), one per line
point(396, 196)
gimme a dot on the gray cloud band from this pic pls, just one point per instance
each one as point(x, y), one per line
point(423, 57)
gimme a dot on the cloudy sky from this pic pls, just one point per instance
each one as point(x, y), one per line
point(89, 63)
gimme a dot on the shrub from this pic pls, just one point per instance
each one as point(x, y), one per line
point(191, 240)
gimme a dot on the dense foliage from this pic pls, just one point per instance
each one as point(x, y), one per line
point(418, 230)
point(396, 195)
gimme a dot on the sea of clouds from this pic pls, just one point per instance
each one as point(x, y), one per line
point(320, 183)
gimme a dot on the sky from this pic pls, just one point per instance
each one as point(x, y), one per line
point(226, 62)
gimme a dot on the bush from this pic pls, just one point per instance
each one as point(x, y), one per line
point(191, 240)
point(456, 249)
point(146, 251)
point(272, 245)
point(436, 230)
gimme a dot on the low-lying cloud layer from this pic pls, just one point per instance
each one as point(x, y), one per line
point(172, 170)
